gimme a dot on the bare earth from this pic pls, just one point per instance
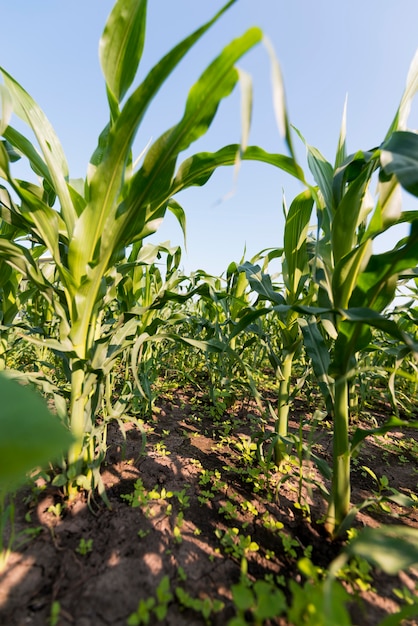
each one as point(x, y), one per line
point(173, 533)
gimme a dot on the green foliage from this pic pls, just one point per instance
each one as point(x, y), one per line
point(262, 600)
point(85, 546)
point(86, 226)
point(29, 434)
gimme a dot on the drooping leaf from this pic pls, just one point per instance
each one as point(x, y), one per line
point(279, 98)
point(30, 112)
point(261, 283)
point(393, 423)
point(178, 211)
point(391, 548)
point(318, 353)
point(197, 169)
point(23, 145)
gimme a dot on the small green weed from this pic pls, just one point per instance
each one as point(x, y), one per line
point(85, 546)
point(157, 606)
point(262, 600)
point(205, 607)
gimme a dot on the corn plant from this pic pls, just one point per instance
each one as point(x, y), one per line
point(86, 225)
point(355, 285)
point(338, 279)
point(297, 288)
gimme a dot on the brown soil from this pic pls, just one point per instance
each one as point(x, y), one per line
point(134, 547)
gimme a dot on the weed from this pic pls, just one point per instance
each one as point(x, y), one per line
point(85, 546)
point(54, 614)
point(56, 509)
point(205, 607)
point(143, 533)
point(157, 606)
point(237, 545)
point(262, 600)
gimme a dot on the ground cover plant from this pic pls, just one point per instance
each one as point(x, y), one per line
point(251, 437)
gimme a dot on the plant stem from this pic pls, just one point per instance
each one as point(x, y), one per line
point(283, 407)
point(340, 490)
point(77, 420)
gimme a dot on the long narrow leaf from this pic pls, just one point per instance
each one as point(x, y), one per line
point(29, 111)
point(108, 177)
point(121, 45)
point(295, 232)
point(391, 548)
point(197, 169)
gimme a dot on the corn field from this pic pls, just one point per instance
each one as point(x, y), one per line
point(292, 377)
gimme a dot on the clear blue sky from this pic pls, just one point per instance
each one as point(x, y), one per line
point(327, 49)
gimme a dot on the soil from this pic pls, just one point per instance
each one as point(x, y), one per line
point(133, 547)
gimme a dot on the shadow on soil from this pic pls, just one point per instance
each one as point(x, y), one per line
point(129, 549)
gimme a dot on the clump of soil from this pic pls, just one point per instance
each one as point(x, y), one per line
point(174, 506)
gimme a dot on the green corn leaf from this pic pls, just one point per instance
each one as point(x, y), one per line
point(394, 423)
point(28, 110)
point(357, 337)
point(341, 155)
point(178, 211)
point(347, 216)
point(247, 320)
point(197, 169)
point(6, 108)
point(399, 156)
point(21, 260)
point(24, 146)
point(346, 273)
point(391, 548)
point(411, 88)
point(318, 353)
point(121, 45)
point(295, 232)
point(44, 220)
point(29, 434)
point(381, 268)
point(322, 171)
point(107, 178)
point(216, 83)
point(388, 209)
point(279, 98)
point(261, 283)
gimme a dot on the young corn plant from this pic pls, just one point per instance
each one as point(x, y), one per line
point(355, 285)
point(297, 289)
point(85, 226)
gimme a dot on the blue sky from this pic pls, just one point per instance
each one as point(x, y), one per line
point(327, 50)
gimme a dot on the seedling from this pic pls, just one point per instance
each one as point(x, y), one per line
point(54, 614)
point(85, 546)
point(263, 600)
point(205, 607)
point(157, 606)
point(177, 528)
point(143, 533)
point(238, 546)
point(56, 509)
